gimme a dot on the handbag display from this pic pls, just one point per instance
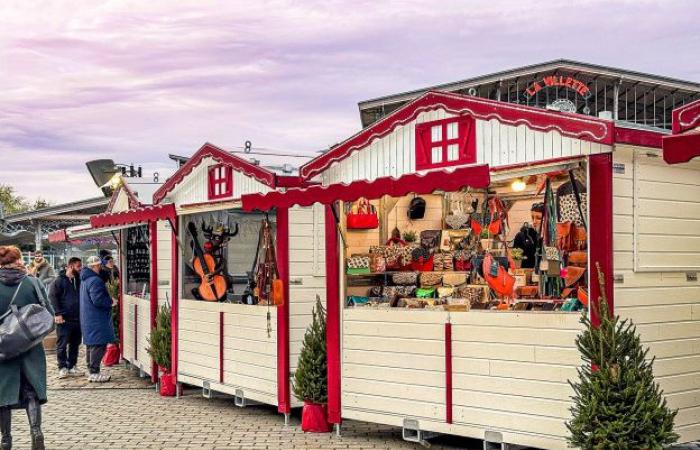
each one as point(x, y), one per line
point(528, 292)
point(443, 292)
point(358, 265)
point(578, 258)
point(454, 279)
point(23, 328)
point(363, 216)
point(498, 278)
point(430, 279)
point(428, 292)
point(430, 239)
point(551, 262)
point(405, 278)
point(416, 208)
point(377, 263)
point(443, 261)
point(474, 294)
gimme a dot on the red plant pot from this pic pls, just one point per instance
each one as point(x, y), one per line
point(314, 418)
point(168, 387)
point(111, 357)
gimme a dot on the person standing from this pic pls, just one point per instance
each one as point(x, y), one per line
point(22, 379)
point(95, 318)
point(65, 298)
point(41, 269)
point(109, 271)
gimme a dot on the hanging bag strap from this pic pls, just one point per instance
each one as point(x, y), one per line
point(11, 307)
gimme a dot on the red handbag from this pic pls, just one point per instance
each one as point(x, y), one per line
point(365, 218)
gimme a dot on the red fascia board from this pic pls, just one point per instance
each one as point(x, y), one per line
point(134, 216)
point(222, 157)
point(681, 148)
point(643, 138)
point(572, 125)
point(477, 177)
point(286, 181)
point(685, 118)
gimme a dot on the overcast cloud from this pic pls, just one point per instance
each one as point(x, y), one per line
point(135, 80)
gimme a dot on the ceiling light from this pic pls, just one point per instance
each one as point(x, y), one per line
point(518, 185)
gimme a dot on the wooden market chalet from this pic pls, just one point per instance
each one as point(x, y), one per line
point(431, 326)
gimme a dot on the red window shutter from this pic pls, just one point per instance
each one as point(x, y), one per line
point(466, 141)
point(219, 182)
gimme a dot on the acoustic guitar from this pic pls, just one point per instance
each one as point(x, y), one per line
point(212, 287)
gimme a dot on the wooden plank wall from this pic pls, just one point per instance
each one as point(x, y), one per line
point(510, 371)
point(665, 306)
point(497, 145)
point(194, 188)
point(164, 262)
point(144, 334)
point(307, 274)
point(137, 354)
point(250, 355)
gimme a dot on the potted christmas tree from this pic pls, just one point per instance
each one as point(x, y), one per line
point(311, 377)
point(159, 349)
point(617, 403)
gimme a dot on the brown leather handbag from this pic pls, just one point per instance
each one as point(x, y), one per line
point(578, 258)
point(565, 236)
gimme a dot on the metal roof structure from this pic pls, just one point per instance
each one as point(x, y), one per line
point(639, 98)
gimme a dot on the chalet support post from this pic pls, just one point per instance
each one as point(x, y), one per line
point(37, 236)
point(616, 99)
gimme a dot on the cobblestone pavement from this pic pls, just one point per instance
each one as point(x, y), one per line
point(122, 377)
point(128, 414)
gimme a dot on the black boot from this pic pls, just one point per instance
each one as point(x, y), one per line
point(6, 428)
point(34, 415)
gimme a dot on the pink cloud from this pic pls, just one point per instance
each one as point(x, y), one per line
point(136, 80)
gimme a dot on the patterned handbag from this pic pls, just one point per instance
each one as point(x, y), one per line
point(454, 279)
point(363, 216)
point(430, 239)
point(443, 292)
point(358, 265)
point(405, 278)
point(475, 294)
point(430, 278)
point(377, 263)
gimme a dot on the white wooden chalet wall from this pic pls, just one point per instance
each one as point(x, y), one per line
point(194, 187)
point(497, 144)
point(656, 242)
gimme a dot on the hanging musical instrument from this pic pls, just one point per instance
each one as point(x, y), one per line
point(213, 286)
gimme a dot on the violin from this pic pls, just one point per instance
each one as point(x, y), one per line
point(213, 286)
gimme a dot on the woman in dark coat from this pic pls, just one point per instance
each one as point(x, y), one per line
point(22, 379)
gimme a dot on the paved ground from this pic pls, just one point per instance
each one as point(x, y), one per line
point(128, 414)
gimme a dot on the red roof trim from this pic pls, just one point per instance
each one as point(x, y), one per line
point(643, 138)
point(686, 117)
point(681, 148)
point(135, 216)
point(287, 181)
point(473, 176)
point(573, 125)
point(222, 157)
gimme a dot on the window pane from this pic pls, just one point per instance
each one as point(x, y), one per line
point(452, 131)
point(436, 133)
point(452, 152)
point(436, 155)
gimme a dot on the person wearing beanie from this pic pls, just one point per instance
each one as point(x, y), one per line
point(95, 318)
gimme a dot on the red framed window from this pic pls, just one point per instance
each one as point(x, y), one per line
point(447, 142)
point(220, 181)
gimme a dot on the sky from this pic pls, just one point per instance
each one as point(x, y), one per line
point(134, 80)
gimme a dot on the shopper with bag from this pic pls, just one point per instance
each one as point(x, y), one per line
point(95, 318)
point(65, 299)
point(22, 375)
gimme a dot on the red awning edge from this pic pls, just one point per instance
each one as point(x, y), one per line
point(143, 214)
point(58, 236)
point(681, 148)
point(477, 177)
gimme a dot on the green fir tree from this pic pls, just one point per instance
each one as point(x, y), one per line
point(617, 403)
point(311, 377)
point(161, 338)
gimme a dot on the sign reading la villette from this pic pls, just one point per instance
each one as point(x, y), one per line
point(559, 81)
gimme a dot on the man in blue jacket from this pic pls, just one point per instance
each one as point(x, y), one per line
point(95, 318)
point(65, 298)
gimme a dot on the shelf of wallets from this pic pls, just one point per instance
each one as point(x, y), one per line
point(446, 272)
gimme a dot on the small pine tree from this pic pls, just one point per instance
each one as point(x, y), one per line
point(311, 377)
point(159, 343)
point(617, 403)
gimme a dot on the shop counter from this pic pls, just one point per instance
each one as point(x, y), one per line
point(137, 330)
point(507, 371)
point(229, 349)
